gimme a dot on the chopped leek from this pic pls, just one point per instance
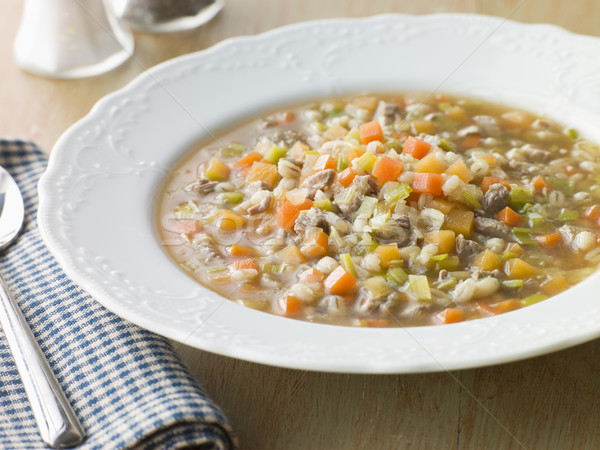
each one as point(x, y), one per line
point(573, 134)
point(379, 221)
point(323, 204)
point(397, 194)
point(568, 215)
point(215, 269)
point(568, 187)
point(445, 284)
point(365, 162)
point(232, 150)
point(534, 298)
point(445, 145)
point(438, 258)
point(471, 199)
point(342, 163)
point(512, 284)
point(353, 134)
point(523, 236)
point(397, 275)
point(450, 263)
point(519, 196)
point(231, 198)
point(271, 268)
point(275, 153)
point(187, 210)
point(346, 261)
point(367, 207)
point(346, 195)
point(418, 286)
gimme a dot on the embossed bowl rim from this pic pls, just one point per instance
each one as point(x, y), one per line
point(97, 196)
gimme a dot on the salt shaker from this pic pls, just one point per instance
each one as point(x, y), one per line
point(164, 16)
point(70, 39)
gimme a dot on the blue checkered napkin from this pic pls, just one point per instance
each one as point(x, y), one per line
point(127, 385)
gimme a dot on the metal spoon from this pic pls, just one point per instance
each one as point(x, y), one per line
point(56, 420)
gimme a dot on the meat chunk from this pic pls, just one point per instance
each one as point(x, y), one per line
point(492, 227)
point(283, 138)
point(320, 181)
point(466, 248)
point(313, 217)
point(397, 229)
point(488, 126)
point(386, 112)
point(263, 201)
point(361, 186)
point(495, 199)
point(205, 250)
point(201, 186)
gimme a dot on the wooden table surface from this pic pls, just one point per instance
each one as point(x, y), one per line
point(549, 402)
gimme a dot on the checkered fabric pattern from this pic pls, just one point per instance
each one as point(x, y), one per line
point(126, 385)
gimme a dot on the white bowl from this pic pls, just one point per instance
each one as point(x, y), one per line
point(97, 197)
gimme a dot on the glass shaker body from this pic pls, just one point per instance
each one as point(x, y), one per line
point(70, 39)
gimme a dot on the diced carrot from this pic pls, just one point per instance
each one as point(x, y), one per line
point(185, 226)
point(428, 183)
point(451, 315)
point(550, 240)
point(247, 263)
point(539, 184)
point(346, 176)
point(487, 182)
point(287, 212)
point(510, 217)
point(415, 147)
point(460, 169)
point(312, 276)
point(339, 281)
point(263, 171)
point(387, 169)
point(377, 323)
point(290, 305)
point(507, 305)
point(240, 250)
point(248, 160)
point(592, 213)
point(371, 131)
point(430, 164)
point(470, 141)
point(316, 246)
point(287, 117)
point(570, 170)
point(325, 162)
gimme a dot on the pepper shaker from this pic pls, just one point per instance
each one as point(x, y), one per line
point(164, 16)
point(70, 39)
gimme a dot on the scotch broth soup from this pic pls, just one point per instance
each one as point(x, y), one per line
point(387, 211)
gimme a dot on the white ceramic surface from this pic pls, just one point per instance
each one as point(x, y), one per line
point(97, 197)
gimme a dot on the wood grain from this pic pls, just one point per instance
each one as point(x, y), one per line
point(549, 402)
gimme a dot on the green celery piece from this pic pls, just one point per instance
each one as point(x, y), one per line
point(519, 196)
point(346, 195)
point(567, 215)
point(275, 153)
point(397, 275)
point(335, 111)
point(446, 285)
point(342, 163)
point(573, 134)
point(232, 198)
point(446, 145)
point(271, 268)
point(418, 285)
point(367, 207)
point(323, 204)
point(353, 134)
point(450, 263)
point(392, 144)
point(365, 162)
point(512, 284)
point(346, 261)
point(233, 150)
point(532, 299)
point(460, 274)
point(523, 236)
point(472, 200)
point(400, 193)
point(568, 187)
point(441, 257)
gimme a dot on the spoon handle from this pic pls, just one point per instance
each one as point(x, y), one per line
point(56, 420)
